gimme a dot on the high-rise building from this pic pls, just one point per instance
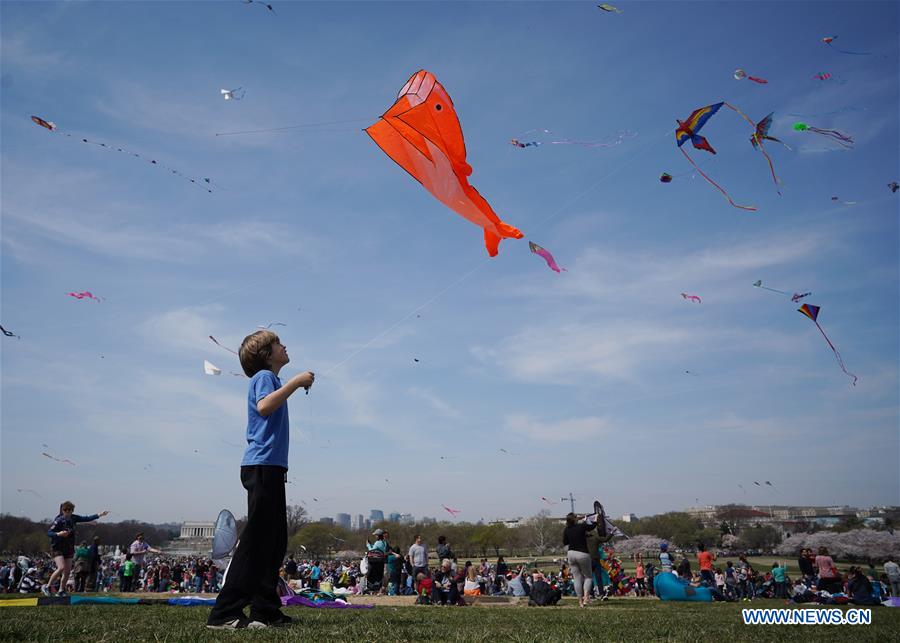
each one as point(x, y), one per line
point(325, 520)
point(394, 516)
point(376, 515)
point(360, 523)
point(343, 520)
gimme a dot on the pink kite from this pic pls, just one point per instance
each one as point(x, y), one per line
point(693, 298)
point(545, 255)
point(450, 511)
point(83, 295)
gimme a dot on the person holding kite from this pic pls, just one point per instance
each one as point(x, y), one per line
point(253, 575)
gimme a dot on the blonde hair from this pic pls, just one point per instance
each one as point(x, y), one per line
point(256, 351)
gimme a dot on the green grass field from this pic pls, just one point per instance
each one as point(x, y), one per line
point(615, 620)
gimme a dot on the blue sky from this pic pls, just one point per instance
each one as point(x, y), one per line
point(579, 377)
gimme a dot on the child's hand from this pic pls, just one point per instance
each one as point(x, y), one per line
point(63, 533)
point(304, 380)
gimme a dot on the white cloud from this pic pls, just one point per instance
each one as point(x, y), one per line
point(188, 329)
point(437, 403)
point(569, 430)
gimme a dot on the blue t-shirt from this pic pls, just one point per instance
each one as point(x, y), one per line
point(267, 437)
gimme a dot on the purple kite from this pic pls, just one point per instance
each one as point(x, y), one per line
point(693, 298)
point(83, 295)
point(551, 262)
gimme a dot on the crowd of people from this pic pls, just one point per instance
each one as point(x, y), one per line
point(447, 581)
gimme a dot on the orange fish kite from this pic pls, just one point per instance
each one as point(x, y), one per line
point(421, 133)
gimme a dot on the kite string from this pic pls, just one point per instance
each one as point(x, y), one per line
point(289, 127)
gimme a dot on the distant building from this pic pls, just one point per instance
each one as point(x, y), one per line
point(629, 517)
point(376, 515)
point(343, 520)
point(783, 517)
point(326, 520)
point(359, 523)
point(196, 538)
point(407, 519)
point(394, 517)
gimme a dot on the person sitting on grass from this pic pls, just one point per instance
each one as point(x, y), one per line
point(473, 582)
point(425, 586)
point(445, 591)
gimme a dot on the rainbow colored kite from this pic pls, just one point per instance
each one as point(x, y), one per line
point(813, 313)
point(687, 131)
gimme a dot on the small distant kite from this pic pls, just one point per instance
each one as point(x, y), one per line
point(8, 333)
point(687, 131)
point(740, 74)
point(758, 283)
point(416, 360)
point(452, 512)
point(268, 326)
point(813, 313)
point(894, 186)
point(31, 491)
point(61, 461)
point(516, 142)
point(545, 255)
point(822, 75)
point(742, 489)
point(756, 483)
point(502, 450)
point(794, 298)
point(608, 8)
point(48, 125)
point(769, 483)
point(83, 295)
point(693, 373)
point(262, 4)
point(549, 502)
point(216, 342)
point(837, 198)
point(233, 94)
point(693, 298)
point(829, 40)
point(609, 141)
point(211, 369)
point(421, 133)
point(841, 138)
point(665, 177)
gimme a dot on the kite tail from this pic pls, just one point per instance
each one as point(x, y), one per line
point(837, 355)
point(771, 168)
point(761, 81)
point(843, 139)
point(751, 208)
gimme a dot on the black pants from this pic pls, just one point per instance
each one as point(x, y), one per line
point(252, 578)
